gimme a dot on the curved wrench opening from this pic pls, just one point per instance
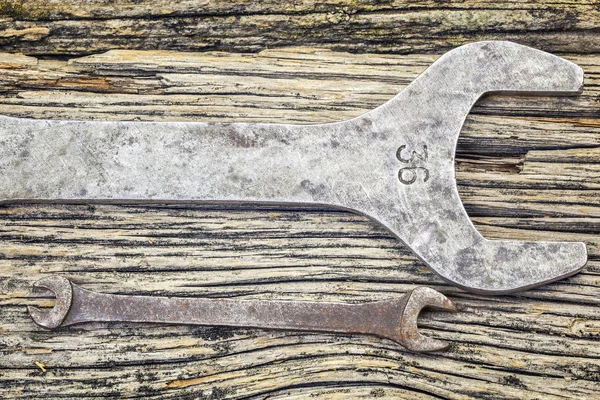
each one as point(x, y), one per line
point(62, 289)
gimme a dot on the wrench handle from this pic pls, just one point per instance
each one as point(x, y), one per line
point(88, 306)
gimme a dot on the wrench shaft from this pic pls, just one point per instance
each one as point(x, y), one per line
point(192, 161)
point(89, 306)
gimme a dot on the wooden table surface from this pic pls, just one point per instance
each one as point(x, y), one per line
point(528, 168)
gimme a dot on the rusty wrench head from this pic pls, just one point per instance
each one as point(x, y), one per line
point(61, 287)
point(394, 319)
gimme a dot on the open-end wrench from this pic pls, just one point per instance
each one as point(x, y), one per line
point(394, 319)
point(394, 164)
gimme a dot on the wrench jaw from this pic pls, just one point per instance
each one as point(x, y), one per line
point(503, 267)
point(63, 291)
point(407, 332)
point(420, 202)
point(511, 68)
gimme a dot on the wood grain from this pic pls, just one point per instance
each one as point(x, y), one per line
point(406, 26)
point(527, 168)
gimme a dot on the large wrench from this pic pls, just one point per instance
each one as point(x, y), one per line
point(394, 319)
point(394, 164)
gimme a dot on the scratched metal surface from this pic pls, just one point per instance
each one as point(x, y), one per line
point(394, 164)
point(395, 319)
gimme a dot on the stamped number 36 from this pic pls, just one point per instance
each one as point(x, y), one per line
point(409, 174)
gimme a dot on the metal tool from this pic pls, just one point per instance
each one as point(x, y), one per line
point(394, 164)
point(394, 319)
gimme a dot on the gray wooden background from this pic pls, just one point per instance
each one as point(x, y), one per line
point(527, 168)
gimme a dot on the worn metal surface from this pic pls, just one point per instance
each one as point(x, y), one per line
point(394, 164)
point(394, 319)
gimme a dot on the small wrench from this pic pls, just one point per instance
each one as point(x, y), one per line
point(394, 319)
point(394, 164)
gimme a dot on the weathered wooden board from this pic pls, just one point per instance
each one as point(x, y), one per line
point(527, 168)
point(406, 26)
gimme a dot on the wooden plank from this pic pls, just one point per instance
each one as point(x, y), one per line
point(526, 168)
point(76, 27)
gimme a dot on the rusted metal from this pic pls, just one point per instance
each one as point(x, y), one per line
point(394, 319)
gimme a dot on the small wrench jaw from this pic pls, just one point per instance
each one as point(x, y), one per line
point(407, 332)
point(63, 290)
